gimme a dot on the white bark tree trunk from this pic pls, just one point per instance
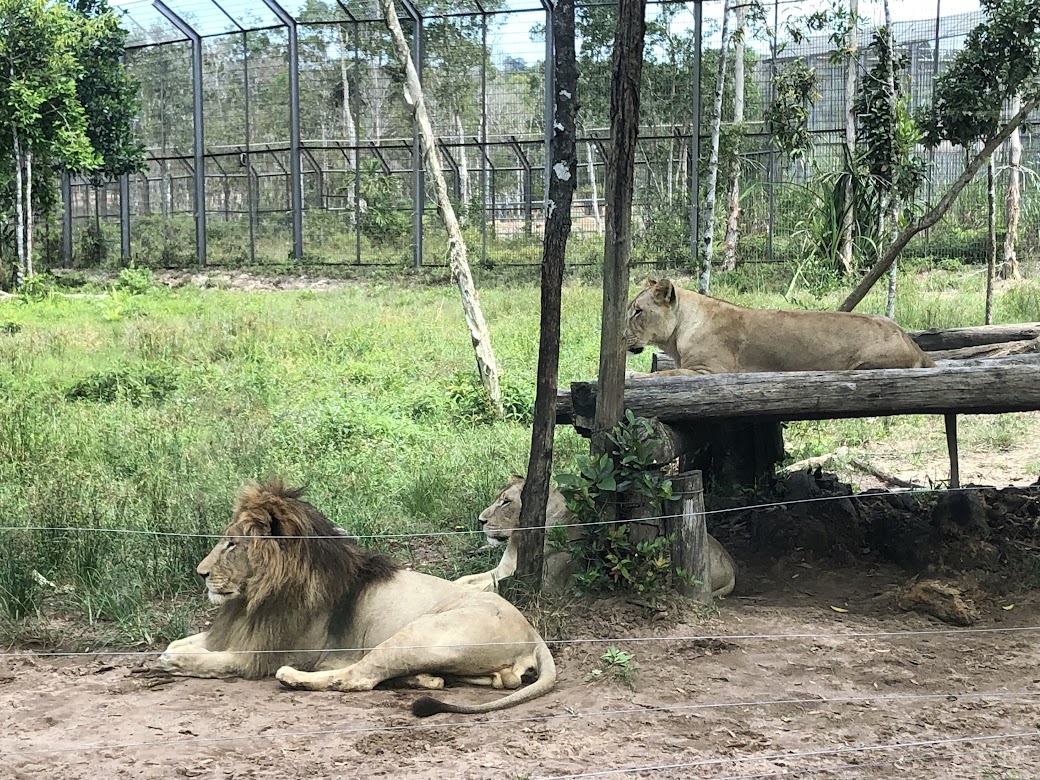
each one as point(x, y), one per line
point(991, 246)
point(729, 259)
point(1009, 266)
point(892, 198)
point(486, 365)
point(29, 223)
point(848, 217)
point(19, 210)
point(597, 217)
point(348, 116)
point(464, 190)
point(708, 226)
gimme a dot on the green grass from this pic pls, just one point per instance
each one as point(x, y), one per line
point(148, 411)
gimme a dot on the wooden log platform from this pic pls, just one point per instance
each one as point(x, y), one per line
point(990, 388)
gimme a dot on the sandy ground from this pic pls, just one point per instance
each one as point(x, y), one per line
point(740, 706)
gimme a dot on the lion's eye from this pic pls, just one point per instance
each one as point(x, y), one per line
point(507, 501)
point(229, 546)
point(636, 312)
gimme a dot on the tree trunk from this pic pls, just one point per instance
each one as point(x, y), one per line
point(708, 226)
point(729, 260)
point(29, 222)
point(597, 218)
point(463, 163)
point(892, 199)
point(991, 246)
point(562, 179)
point(626, 74)
point(486, 365)
point(348, 116)
point(848, 215)
point(1009, 266)
point(19, 210)
point(941, 207)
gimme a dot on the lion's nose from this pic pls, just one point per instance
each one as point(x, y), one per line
point(201, 573)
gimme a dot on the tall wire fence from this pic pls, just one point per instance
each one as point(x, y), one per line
point(288, 123)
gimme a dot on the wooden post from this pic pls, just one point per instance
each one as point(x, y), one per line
point(690, 547)
point(951, 445)
point(562, 177)
point(627, 70)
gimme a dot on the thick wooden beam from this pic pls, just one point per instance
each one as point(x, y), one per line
point(957, 338)
point(820, 395)
point(1008, 352)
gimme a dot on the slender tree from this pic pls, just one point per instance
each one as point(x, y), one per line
point(1000, 59)
point(708, 226)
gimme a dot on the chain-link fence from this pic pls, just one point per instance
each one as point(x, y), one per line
point(289, 124)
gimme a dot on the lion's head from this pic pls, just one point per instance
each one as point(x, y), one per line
point(652, 316)
point(499, 519)
point(280, 565)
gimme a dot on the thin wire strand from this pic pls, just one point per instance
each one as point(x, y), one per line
point(802, 754)
point(669, 708)
point(469, 532)
point(579, 641)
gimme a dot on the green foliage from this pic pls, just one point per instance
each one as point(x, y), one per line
point(470, 402)
point(135, 281)
point(611, 557)
point(620, 664)
point(888, 134)
point(1000, 59)
point(796, 89)
point(134, 385)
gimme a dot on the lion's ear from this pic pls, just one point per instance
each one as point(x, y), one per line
point(664, 292)
point(649, 282)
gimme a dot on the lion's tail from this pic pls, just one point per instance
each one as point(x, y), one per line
point(425, 706)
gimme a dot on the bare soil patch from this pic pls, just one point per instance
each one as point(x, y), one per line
point(749, 702)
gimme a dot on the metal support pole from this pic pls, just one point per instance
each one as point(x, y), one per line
point(418, 168)
point(295, 164)
point(247, 156)
point(357, 148)
point(124, 218)
point(485, 178)
point(770, 246)
point(66, 217)
point(695, 142)
point(200, 134)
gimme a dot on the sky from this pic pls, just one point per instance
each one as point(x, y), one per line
point(513, 39)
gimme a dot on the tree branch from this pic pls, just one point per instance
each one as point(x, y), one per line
point(933, 216)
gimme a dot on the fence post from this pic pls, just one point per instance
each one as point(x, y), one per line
point(690, 543)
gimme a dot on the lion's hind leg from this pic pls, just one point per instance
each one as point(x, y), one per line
point(432, 645)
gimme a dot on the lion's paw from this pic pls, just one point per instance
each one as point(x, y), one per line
point(289, 677)
point(171, 662)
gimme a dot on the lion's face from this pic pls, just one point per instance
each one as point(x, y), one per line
point(652, 316)
point(499, 519)
point(226, 569)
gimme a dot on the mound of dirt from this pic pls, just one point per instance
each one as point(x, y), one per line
point(990, 533)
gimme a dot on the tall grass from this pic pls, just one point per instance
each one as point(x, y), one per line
point(146, 412)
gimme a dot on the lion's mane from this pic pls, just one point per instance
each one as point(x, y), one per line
point(292, 579)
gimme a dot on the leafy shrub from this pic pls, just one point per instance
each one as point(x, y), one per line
point(136, 385)
point(609, 556)
point(136, 281)
point(469, 402)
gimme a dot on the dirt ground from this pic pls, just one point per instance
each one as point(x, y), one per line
point(738, 706)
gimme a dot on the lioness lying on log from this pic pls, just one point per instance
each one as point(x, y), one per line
point(503, 516)
point(351, 617)
point(708, 336)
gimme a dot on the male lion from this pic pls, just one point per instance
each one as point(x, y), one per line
point(503, 516)
point(708, 336)
point(350, 617)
